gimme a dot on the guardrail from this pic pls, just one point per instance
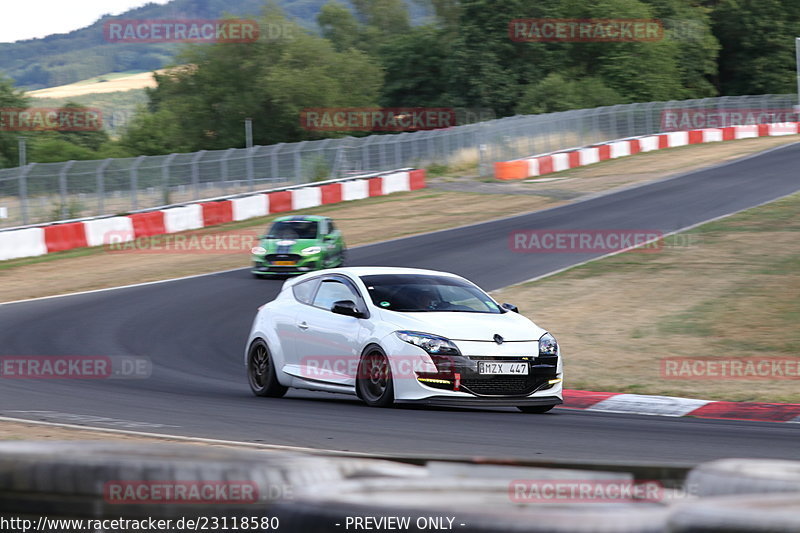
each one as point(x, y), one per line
point(171, 487)
point(40, 192)
point(32, 241)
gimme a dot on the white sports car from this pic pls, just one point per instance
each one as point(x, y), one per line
point(401, 335)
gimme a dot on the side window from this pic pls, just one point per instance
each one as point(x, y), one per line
point(332, 291)
point(323, 228)
point(304, 291)
point(331, 226)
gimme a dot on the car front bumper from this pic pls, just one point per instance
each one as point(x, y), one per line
point(455, 379)
point(302, 265)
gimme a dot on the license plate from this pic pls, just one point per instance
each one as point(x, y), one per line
point(283, 263)
point(487, 367)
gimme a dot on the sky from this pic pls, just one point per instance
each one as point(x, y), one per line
point(30, 19)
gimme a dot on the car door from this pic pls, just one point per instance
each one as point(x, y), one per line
point(285, 320)
point(328, 344)
point(334, 242)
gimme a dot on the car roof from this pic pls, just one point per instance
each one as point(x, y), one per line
point(301, 218)
point(355, 272)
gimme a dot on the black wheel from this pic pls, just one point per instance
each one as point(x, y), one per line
point(342, 256)
point(535, 409)
point(261, 372)
point(374, 380)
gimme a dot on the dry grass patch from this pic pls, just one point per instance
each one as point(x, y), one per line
point(108, 83)
point(733, 292)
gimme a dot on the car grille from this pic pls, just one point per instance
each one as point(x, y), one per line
point(542, 369)
point(504, 385)
point(282, 257)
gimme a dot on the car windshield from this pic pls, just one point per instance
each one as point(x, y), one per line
point(294, 229)
point(427, 293)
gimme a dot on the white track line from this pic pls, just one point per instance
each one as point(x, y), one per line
point(198, 440)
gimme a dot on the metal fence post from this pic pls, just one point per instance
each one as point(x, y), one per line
point(223, 165)
point(134, 173)
point(62, 187)
point(101, 190)
point(196, 173)
point(274, 163)
point(165, 178)
point(298, 162)
point(250, 173)
point(23, 191)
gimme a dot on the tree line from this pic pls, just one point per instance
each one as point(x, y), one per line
point(370, 54)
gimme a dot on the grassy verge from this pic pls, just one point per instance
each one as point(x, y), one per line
point(727, 289)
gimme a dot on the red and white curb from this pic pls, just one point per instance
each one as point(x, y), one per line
point(640, 404)
point(60, 236)
point(566, 159)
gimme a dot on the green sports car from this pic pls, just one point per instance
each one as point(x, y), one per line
point(298, 244)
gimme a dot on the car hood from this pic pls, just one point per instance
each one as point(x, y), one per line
point(466, 326)
point(287, 246)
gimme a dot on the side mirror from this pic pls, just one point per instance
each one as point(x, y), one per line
point(347, 308)
point(510, 307)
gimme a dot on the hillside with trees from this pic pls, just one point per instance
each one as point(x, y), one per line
point(370, 53)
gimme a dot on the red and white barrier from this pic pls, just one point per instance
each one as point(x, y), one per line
point(615, 402)
point(396, 182)
point(250, 207)
point(564, 160)
point(31, 242)
point(355, 190)
point(22, 243)
point(184, 218)
point(106, 230)
point(306, 197)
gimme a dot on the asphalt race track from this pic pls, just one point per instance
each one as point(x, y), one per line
point(194, 331)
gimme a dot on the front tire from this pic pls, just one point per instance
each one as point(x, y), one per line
point(374, 382)
point(535, 409)
point(261, 372)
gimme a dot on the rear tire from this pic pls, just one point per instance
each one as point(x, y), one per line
point(261, 372)
point(374, 382)
point(535, 409)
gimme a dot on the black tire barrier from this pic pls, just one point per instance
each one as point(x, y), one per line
point(772, 513)
point(466, 506)
point(78, 479)
point(744, 476)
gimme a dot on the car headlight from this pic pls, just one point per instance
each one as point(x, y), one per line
point(548, 345)
point(432, 344)
point(311, 250)
point(258, 250)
